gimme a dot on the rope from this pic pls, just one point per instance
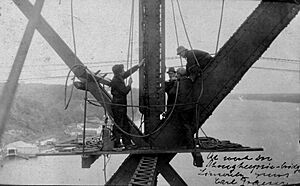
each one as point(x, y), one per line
point(165, 122)
point(217, 46)
point(91, 102)
point(105, 165)
point(125, 132)
point(130, 51)
point(197, 118)
point(105, 103)
point(202, 87)
point(145, 107)
point(142, 122)
point(84, 115)
point(73, 30)
point(130, 41)
point(94, 79)
point(66, 85)
point(153, 132)
point(185, 30)
point(98, 87)
point(175, 26)
point(299, 72)
point(75, 52)
point(104, 168)
point(210, 143)
point(220, 26)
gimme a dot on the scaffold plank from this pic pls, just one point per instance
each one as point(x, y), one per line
point(150, 151)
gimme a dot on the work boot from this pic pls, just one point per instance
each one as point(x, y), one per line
point(130, 147)
point(118, 146)
point(117, 143)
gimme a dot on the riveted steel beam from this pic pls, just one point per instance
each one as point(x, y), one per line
point(152, 49)
point(242, 50)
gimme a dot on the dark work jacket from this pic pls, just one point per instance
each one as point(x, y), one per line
point(170, 89)
point(185, 93)
point(203, 59)
point(119, 90)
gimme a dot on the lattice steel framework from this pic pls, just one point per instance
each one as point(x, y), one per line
point(152, 49)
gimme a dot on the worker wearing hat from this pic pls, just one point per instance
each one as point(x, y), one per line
point(196, 60)
point(169, 87)
point(185, 109)
point(119, 93)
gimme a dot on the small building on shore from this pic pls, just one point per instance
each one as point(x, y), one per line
point(22, 147)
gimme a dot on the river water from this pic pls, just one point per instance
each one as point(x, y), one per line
point(273, 126)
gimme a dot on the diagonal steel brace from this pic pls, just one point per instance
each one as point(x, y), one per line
point(67, 55)
point(12, 83)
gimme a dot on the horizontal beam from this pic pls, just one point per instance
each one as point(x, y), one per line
point(151, 151)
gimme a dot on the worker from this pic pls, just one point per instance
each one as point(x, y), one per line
point(196, 61)
point(119, 93)
point(170, 88)
point(185, 109)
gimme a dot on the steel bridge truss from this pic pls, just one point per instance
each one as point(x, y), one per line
point(232, 62)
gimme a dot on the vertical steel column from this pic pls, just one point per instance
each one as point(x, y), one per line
point(152, 44)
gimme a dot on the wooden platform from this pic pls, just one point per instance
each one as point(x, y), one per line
point(149, 151)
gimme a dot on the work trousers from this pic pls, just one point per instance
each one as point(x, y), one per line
point(120, 118)
point(187, 119)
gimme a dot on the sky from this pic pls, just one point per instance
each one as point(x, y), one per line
point(102, 35)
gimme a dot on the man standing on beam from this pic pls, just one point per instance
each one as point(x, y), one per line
point(119, 93)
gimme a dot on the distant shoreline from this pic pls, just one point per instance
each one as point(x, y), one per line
point(289, 98)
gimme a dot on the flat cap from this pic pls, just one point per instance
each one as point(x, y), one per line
point(117, 69)
point(180, 49)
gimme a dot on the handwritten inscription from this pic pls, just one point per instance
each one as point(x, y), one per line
point(258, 170)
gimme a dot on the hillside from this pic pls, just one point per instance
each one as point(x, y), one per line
point(288, 98)
point(38, 111)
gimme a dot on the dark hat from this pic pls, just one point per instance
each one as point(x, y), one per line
point(181, 71)
point(171, 69)
point(117, 69)
point(180, 49)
